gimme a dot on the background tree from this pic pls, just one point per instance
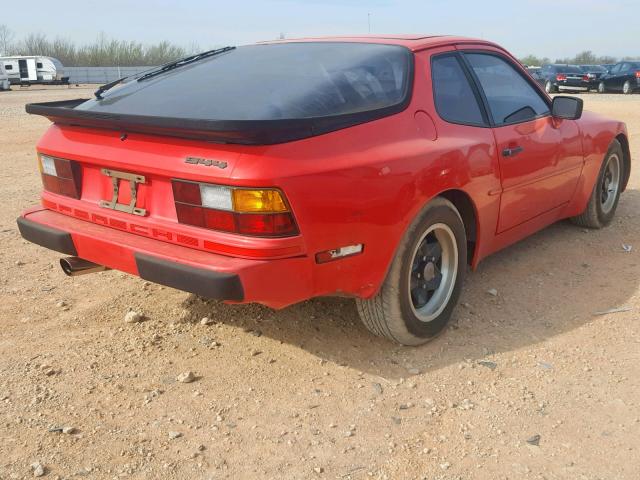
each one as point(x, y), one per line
point(587, 58)
point(104, 52)
point(6, 38)
point(533, 61)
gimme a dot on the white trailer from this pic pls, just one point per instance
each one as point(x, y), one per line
point(28, 70)
point(4, 79)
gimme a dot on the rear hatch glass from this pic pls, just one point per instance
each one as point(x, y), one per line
point(270, 82)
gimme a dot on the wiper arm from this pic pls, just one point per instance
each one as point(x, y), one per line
point(184, 61)
point(103, 88)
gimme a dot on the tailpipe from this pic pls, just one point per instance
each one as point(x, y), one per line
point(74, 266)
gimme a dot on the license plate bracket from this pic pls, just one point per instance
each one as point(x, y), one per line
point(134, 180)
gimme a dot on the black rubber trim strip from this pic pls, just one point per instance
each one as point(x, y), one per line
point(206, 283)
point(241, 132)
point(48, 237)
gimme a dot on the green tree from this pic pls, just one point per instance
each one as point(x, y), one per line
point(533, 61)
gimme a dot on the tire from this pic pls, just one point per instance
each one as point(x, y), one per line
point(398, 312)
point(550, 88)
point(602, 88)
point(627, 88)
point(602, 207)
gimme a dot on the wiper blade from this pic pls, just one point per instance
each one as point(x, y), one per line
point(185, 61)
point(164, 68)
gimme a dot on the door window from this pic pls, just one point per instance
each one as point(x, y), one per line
point(454, 98)
point(615, 69)
point(511, 98)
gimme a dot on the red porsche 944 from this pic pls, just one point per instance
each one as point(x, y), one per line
point(378, 168)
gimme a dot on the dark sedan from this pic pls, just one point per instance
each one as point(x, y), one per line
point(556, 78)
point(623, 77)
point(594, 72)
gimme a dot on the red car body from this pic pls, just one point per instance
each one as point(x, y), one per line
point(361, 185)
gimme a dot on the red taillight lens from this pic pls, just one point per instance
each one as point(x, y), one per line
point(187, 192)
point(219, 220)
point(190, 214)
point(585, 78)
point(638, 74)
point(234, 210)
point(278, 224)
point(561, 77)
point(60, 176)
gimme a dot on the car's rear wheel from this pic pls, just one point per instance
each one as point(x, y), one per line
point(627, 88)
point(423, 284)
point(606, 192)
point(602, 88)
point(550, 88)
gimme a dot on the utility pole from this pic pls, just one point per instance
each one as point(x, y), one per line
point(369, 21)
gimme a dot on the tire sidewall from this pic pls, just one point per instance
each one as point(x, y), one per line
point(438, 212)
point(606, 218)
point(626, 88)
point(601, 88)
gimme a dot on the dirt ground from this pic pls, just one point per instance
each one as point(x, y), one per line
point(306, 392)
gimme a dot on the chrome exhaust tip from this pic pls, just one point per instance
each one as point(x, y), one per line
point(74, 266)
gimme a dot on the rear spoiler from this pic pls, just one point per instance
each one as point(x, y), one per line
point(243, 132)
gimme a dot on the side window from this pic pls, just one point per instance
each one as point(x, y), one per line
point(452, 93)
point(511, 98)
point(8, 67)
point(38, 65)
point(625, 67)
point(616, 68)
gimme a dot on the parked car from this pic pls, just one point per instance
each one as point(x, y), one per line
point(563, 78)
point(369, 167)
point(623, 77)
point(536, 74)
point(593, 72)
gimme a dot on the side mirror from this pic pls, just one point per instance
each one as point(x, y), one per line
point(568, 108)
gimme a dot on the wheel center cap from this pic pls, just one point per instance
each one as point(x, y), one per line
point(429, 271)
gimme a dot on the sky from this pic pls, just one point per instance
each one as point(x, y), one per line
point(551, 28)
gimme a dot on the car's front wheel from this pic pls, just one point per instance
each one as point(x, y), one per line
point(602, 88)
point(606, 191)
point(423, 284)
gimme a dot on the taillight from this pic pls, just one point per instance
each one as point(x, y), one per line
point(586, 78)
point(561, 77)
point(247, 211)
point(60, 176)
point(638, 74)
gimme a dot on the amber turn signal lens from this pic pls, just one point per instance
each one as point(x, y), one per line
point(262, 201)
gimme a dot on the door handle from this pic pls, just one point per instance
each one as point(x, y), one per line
point(512, 152)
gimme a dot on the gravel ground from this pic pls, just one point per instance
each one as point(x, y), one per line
point(527, 384)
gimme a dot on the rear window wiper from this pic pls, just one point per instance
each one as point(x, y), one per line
point(184, 61)
point(103, 88)
point(164, 68)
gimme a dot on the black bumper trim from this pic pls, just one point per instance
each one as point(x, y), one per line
point(206, 283)
point(45, 236)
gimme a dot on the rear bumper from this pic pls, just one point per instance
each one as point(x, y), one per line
point(576, 88)
point(276, 283)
